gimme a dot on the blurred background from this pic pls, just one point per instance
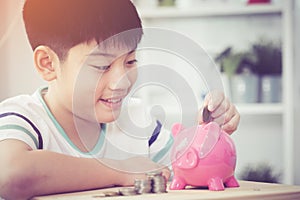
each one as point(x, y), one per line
point(256, 47)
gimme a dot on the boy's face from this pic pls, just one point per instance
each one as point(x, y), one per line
point(93, 81)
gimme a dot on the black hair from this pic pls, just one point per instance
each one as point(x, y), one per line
point(62, 24)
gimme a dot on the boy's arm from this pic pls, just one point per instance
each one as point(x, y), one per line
point(25, 173)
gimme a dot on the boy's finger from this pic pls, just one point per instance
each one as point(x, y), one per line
point(231, 112)
point(231, 126)
point(222, 109)
point(227, 116)
point(213, 99)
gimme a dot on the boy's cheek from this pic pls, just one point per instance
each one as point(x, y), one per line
point(132, 76)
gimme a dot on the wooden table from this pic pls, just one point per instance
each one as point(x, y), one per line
point(247, 191)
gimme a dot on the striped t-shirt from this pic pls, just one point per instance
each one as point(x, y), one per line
point(27, 118)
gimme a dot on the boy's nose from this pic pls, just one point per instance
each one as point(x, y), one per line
point(119, 79)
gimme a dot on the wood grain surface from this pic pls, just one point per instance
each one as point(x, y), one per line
point(246, 191)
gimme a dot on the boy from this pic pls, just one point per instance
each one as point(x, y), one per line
point(52, 142)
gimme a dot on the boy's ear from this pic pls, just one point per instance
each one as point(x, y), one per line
point(46, 62)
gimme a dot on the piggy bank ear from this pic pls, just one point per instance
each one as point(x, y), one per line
point(176, 128)
point(212, 134)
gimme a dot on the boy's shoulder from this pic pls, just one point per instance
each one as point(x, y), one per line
point(19, 103)
point(20, 118)
point(28, 106)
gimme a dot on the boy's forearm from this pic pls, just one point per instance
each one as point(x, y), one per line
point(44, 172)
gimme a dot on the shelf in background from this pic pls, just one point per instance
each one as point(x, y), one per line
point(209, 11)
point(244, 109)
point(260, 108)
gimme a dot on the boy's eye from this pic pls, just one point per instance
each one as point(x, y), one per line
point(131, 62)
point(102, 68)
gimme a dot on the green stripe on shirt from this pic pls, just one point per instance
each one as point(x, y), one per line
point(164, 150)
point(20, 128)
point(60, 129)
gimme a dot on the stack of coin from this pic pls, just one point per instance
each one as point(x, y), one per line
point(142, 186)
point(159, 184)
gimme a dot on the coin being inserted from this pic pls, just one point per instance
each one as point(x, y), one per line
point(206, 115)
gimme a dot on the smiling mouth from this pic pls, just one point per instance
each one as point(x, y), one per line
point(112, 103)
point(111, 100)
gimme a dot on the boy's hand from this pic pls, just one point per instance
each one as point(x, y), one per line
point(137, 168)
point(222, 111)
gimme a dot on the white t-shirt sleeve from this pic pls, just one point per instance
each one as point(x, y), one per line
point(15, 134)
point(13, 127)
point(160, 149)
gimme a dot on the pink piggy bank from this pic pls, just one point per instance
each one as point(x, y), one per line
point(203, 155)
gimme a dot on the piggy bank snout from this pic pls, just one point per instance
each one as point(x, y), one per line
point(188, 160)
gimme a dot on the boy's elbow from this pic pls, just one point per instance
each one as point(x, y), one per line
point(14, 183)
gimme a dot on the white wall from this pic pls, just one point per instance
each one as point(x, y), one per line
point(216, 33)
point(17, 73)
point(297, 92)
point(3, 47)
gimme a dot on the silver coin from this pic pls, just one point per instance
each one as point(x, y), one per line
point(111, 193)
point(206, 115)
point(159, 184)
point(142, 182)
point(127, 191)
point(143, 189)
point(142, 186)
point(154, 173)
point(155, 183)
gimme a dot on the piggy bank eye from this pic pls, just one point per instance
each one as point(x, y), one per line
point(182, 145)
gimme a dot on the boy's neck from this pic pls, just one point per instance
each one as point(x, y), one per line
point(82, 133)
